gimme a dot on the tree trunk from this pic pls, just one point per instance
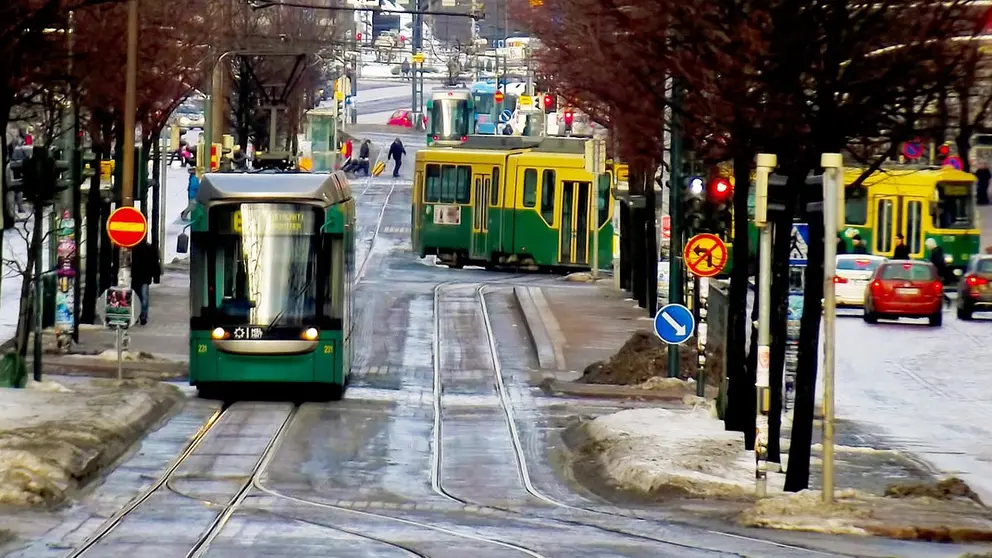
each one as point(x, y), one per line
point(26, 307)
point(626, 282)
point(638, 254)
point(797, 476)
point(749, 406)
point(5, 100)
point(778, 331)
point(737, 388)
point(651, 244)
point(90, 291)
point(156, 192)
point(107, 277)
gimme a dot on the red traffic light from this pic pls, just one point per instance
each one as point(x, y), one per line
point(548, 101)
point(943, 151)
point(498, 97)
point(720, 188)
point(358, 36)
point(569, 117)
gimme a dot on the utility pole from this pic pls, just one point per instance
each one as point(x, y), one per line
point(417, 44)
point(130, 94)
point(833, 220)
point(766, 163)
point(675, 295)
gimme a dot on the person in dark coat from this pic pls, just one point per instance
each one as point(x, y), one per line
point(396, 153)
point(841, 245)
point(984, 177)
point(145, 268)
point(902, 249)
point(940, 262)
point(858, 245)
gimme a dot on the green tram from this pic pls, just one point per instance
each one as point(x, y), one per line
point(508, 201)
point(271, 271)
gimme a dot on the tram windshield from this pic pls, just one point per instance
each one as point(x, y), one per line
point(449, 118)
point(955, 206)
point(262, 264)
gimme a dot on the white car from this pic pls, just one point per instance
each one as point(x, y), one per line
point(853, 273)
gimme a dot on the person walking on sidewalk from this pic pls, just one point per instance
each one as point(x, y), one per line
point(396, 153)
point(145, 268)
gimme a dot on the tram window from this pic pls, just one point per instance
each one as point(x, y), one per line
point(604, 200)
point(914, 226)
point(198, 278)
point(432, 191)
point(333, 287)
point(494, 191)
point(955, 207)
point(548, 195)
point(463, 185)
point(530, 187)
point(883, 228)
point(856, 205)
point(448, 183)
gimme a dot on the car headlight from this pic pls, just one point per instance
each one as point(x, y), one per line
point(948, 259)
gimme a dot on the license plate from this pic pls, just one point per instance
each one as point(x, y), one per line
point(907, 292)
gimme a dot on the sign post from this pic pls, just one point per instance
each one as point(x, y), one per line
point(833, 220)
point(595, 160)
point(126, 228)
point(766, 163)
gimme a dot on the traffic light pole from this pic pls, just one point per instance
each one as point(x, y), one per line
point(417, 76)
point(675, 279)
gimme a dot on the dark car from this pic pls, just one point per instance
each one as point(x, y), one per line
point(905, 289)
point(974, 291)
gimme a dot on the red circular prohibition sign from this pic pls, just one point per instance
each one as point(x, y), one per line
point(126, 227)
point(705, 255)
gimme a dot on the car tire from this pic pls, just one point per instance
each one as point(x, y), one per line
point(964, 314)
point(937, 319)
point(869, 316)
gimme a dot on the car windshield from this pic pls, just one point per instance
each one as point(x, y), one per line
point(858, 264)
point(264, 263)
point(908, 272)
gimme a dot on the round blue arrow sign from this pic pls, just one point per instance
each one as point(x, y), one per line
point(505, 116)
point(674, 324)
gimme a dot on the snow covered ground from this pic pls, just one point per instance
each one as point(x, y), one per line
point(658, 450)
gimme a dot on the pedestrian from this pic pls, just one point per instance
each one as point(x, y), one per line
point(396, 153)
point(191, 189)
point(939, 261)
point(145, 268)
point(984, 176)
point(902, 250)
point(363, 157)
point(841, 245)
point(858, 245)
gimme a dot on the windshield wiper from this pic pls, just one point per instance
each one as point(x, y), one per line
point(298, 292)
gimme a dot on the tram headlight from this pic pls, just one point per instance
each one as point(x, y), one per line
point(311, 334)
point(218, 333)
point(948, 259)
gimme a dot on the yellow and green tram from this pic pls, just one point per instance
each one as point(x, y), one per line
point(271, 269)
point(505, 202)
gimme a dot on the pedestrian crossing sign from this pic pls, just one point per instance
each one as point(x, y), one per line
point(799, 244)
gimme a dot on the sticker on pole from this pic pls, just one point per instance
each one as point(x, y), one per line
point(126, 227)
point(799, 244)
point(705, 255)
point(674, 324)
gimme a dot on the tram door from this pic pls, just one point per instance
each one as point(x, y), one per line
point(480, 217)
point(574, 222)
point(896, 215)
point(418, 208)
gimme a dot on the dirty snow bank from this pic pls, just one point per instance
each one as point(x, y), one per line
point(53, 438)
point(654, 451)
point(858, 513)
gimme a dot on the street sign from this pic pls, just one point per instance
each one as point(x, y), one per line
point(339, 95)
point(674, 324)
point(955, 162)
point(799, 245)
point(418, 58)
point(705, 255)
point(505, 116)
point(912, 150)
point(526, 101)
point(126, 227)
point(498, 97)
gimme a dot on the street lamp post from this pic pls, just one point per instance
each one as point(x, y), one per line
point(130, 102)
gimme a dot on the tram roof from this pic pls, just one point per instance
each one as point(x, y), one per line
point(905, 173)
point(327, 189)
point(537, 143)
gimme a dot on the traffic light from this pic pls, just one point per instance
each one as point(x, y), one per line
point(719, 203)
point(943, 152)
point(693, 200)
point(568, 118)
point(478, 10)
point(39, 177)
point(549, 103)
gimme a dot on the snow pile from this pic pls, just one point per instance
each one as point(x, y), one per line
point(47, 385)
point(660, 383)
point(111, 354)
point(653, 451)
point(53, 439)
point(858, 513)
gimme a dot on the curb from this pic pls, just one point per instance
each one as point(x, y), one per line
point(90, 366)
point(542, 326)
point(609, 391)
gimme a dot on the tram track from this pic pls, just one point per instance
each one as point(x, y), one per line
point(521, 457)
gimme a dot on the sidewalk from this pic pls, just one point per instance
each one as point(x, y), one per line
point(573, 326)
point(158, 350)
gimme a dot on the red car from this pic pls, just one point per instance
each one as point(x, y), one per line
point(400, 118)
point(905, 289)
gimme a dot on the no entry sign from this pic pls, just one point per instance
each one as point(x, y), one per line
point(126, 227)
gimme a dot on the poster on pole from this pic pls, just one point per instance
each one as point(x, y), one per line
point(65, 273)
point(119, 307)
